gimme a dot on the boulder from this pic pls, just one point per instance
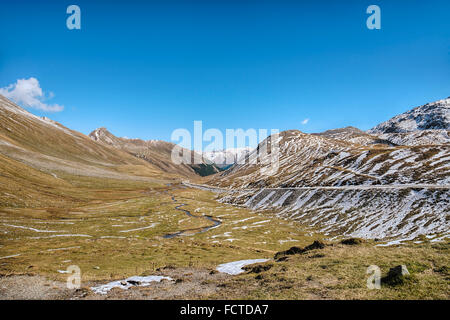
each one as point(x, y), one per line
point(315, 245)
point(396, 275)
point(258, 268)
point(351, 241)
point(296, 250)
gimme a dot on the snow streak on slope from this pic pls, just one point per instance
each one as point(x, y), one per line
point(310, 160)
point(353, 135)
point(357, 212)
point(427, 124)
point(235, 267)
point(225, 158)
point(417, 138)
point(347, 182)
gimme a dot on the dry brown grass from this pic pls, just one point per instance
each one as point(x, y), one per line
point(339, 272)
point(336, 272)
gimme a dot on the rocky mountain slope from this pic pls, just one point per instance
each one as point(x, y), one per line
point(353, 135)
point(341, 182)
point(347, 182)
point(427, 124)
point(310, 160)
point(49, 146)
point(38, 154)
point(156, 152)
point(226, 158)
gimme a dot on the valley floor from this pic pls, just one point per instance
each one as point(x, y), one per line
point(120, 232)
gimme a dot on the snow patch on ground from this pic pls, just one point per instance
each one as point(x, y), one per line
point(62, 235)
point(11, 256)
point(235, 267)
point(143, 228)
point(128, 283)
point(29, 228)
point(59, 249)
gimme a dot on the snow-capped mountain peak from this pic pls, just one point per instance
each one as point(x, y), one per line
point(423, 125)
point(227, 157)
point(431, 116)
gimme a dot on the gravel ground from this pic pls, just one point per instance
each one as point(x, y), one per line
point(25, 287)
point(188, 283)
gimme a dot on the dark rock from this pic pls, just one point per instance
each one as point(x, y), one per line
point(319, 255)
point(444, 270)
point(296, 250)
point(282, 259)
point(168, 267)
point(396, 275)
point(82, 292)
point(134, 283)
point(315, 245)
point(352, 241)
point(291, 251)
point(258, 268)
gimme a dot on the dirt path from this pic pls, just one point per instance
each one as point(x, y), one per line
point(32, 287)
point(188, 283)
point(350, 187)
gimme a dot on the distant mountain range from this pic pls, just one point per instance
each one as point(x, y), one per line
point(391, 181)
point(156, 152)
point(226, 158)
point(349, 156)
point(427, 124)
point(38, 156)
point(431, 116)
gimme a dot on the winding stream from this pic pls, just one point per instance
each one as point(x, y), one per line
point(215, 222)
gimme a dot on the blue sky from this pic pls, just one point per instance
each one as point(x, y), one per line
point(145, 68)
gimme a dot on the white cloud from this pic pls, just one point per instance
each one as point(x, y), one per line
point(305, 121)
point(28, 93)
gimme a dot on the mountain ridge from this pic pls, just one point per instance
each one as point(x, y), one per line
point(156, 152)
point(423, 125)
point(341, 183)
point(328, 180)
point(46, 164)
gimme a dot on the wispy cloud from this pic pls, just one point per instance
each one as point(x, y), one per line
point(305, 121)
point(29, 94)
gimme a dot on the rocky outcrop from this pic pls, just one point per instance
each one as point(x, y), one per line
point(424, 125)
